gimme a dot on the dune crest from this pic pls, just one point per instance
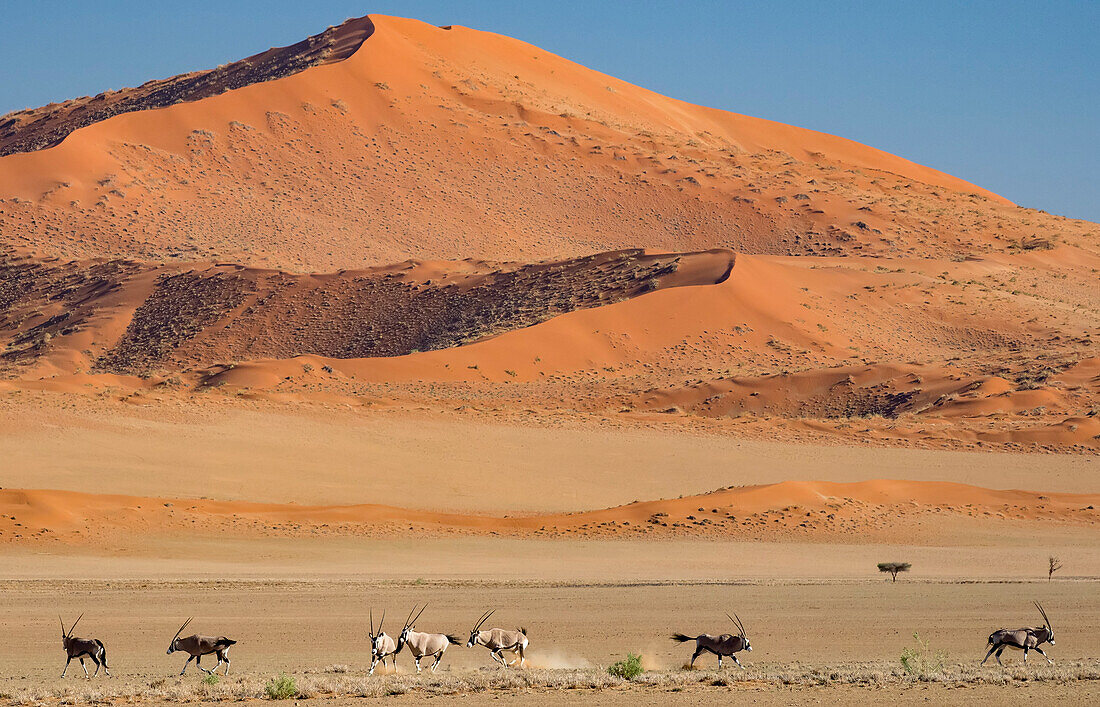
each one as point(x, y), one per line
point(797, 510)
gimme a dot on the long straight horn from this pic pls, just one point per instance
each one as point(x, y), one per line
point(382, 621)
point(483, 619)
point(409, 619)
point(1044, 613)
point(418, 614)
point(63, 634)
point(78, 618)
point(372, 623)
point(181, 629)
point(737, 622)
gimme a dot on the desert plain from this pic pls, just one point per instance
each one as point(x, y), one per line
point(407, 315)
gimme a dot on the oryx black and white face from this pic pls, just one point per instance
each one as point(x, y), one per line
point(409, 625)
point(174, 645)
point(476, 631)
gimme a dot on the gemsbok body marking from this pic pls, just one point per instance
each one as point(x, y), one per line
point(382, 646)
point(1025, 639)
point(499, 639)
point(724, 645)
point(197, 646)
point(425, 644)
point(80, 647)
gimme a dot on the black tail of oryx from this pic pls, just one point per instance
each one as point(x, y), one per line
point(523, 630)
point(102, 652)
point(225, 642)
point(681, 638)
point(454, 639)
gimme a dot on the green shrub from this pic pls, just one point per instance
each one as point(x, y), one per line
point(212, 679)
point(922, 661)
point(281, 688)
point(628, 668)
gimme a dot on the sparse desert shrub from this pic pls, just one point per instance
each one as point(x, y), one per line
point(922, 661)
point(282, 687)
point(892, 568)
point(628, 668)
point(1053, 565)
point(212, 679)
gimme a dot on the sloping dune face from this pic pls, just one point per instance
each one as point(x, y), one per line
point(889, 511)
point(386, 139)
point(390, 210)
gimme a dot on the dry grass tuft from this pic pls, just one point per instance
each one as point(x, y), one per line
point(331, 683)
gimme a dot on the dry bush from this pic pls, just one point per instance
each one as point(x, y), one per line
point(488, 680)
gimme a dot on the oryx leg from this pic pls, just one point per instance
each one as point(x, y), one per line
point(1025, 653)
point(224, 656)
point(719, 661)
point(373, 662)
point(1040, 651)
point(67, 661)
point(497, 657)
point(987, 656)
point(438, 657)
point(997, 655)
point(96, 661)
point(522, 658)
point(84, 666)
point(189, 659)
point(734, 656)
point(698, 652)
point(198, 664)
point(417, 660)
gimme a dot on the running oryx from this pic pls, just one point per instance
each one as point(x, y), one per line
point(197, 646)
point(423, 644)
point(382, 646)
point(724, 645)
point(80, 647)
point(499, 639)
point(1026, 639)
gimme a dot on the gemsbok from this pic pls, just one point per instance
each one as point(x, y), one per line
point(197, 646)
point(1025, 639)
point(424, 644)
point(382, 646)
point(724, 645)
point(499, 639)
point(80, 647)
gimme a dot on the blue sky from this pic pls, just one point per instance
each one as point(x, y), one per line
point(1003, 94)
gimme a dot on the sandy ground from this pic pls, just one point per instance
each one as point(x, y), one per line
point(275, 453)
point(299, 627)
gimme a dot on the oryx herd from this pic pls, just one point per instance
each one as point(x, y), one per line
point(496, 640)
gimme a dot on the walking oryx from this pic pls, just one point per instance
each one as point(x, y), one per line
point(80, 647)
point(381, 645)
point(197, 646)
point(499, 639)
point(423, 644)
point(724, 645)
point(1026, 639)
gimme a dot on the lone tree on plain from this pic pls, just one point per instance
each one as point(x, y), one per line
point(893, 568)
point(1054, 565)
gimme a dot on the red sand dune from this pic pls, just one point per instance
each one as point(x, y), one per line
point(796, 510)
point(310, 223)
point(445, 143)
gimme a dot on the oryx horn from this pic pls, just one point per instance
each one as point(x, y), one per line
point(181, 629)
point(737, 622)
point(412, 619)
point(73, 627)
point(1045, 619)
point(483, 619)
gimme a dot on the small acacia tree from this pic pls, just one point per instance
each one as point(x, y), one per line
point(1054, 564)
point(893, 568)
